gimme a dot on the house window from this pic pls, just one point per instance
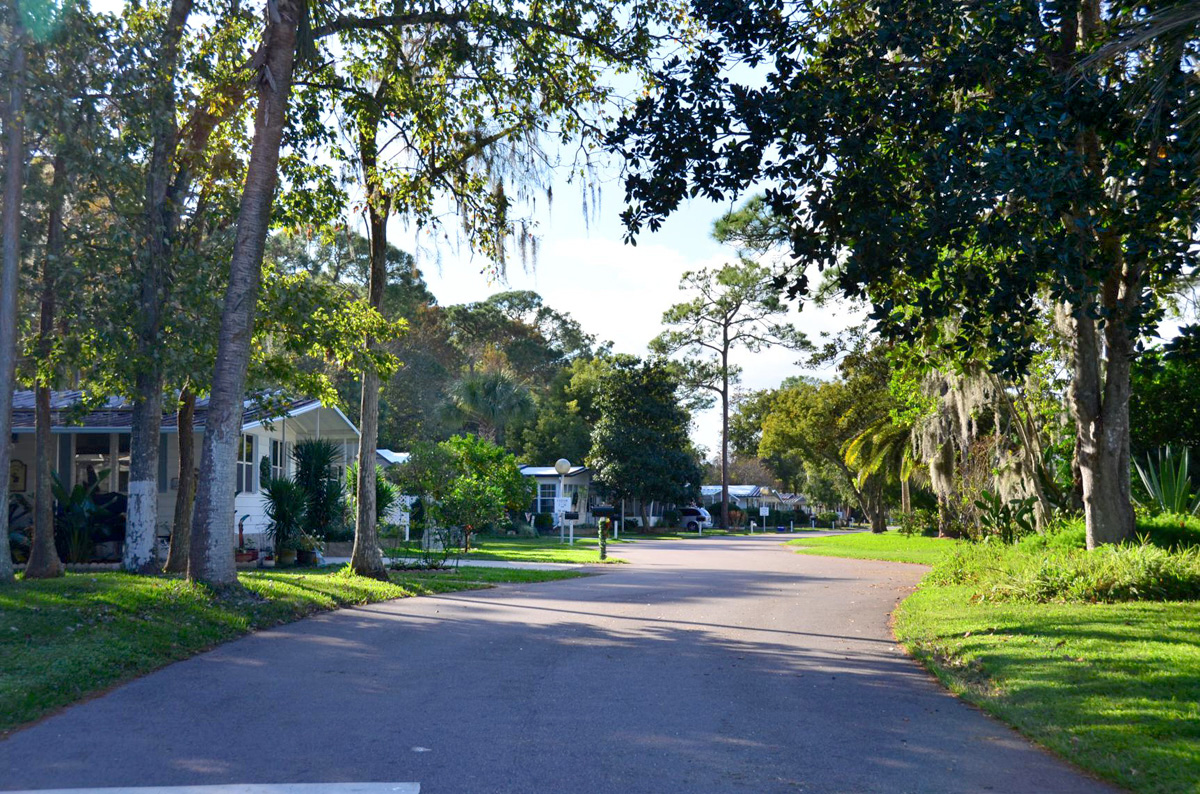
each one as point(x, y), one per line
point(245, 465)
point(546, 493)
point(93, 457)
point(279, 456)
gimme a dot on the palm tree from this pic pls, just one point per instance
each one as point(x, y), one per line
point(884, 446)
point(490, 401)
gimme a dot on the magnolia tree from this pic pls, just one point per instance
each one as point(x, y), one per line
point(962, 167)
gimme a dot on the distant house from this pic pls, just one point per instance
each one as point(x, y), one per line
point(386, 457)
point(91, 441)
point(576, 485)
point(752, 497)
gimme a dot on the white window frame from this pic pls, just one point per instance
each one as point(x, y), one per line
point(246, 479)
point(545, 496)
point(279, 457)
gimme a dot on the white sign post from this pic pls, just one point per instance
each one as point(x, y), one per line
point(562, 505)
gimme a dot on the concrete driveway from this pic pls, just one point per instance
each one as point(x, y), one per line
point(714, 665)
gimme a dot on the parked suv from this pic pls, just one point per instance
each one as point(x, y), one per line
point(695, 518)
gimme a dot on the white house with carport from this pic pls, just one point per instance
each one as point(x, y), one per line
point(89, 441)
point(576, 485)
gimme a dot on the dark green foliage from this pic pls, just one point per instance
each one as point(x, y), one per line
point(79, 520)
point(885, 173)
point(1166, 481)
point(559, 429)
point(1163, 409)
point(467, 483)
point(543, 522)
point(920, 521)
point(640, 447)
point(826, 520)
point(386, 494)
point(287, 507)
point(963, 168)
point(315, 459)
point(1109, 574)
point(670, 517)
point(1005, 521)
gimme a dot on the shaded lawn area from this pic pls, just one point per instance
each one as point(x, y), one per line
point(890, 546)
point(64, 639)
point(1115, 688)
point(545, 549)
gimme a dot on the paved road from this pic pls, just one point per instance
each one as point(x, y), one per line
point(715, 665)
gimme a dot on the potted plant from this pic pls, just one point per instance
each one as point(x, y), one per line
point(285, 503)
point(307, 547)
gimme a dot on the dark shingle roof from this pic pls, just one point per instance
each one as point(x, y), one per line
point(115, 413)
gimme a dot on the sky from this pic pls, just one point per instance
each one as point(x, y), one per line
point(616, 291)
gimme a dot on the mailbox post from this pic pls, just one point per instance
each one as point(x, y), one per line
point(603, 512)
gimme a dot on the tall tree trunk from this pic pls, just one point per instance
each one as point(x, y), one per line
point(141, 514)
point(146, 421)
point(366, 558)
point(725, 430)
point(185, 496)
point(43, 555)
point(905, 496)
point(1102, 428)
point(1100, 391)
point(211, 557)
point(12, 115)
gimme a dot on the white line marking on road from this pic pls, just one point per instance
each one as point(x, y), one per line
point(250, 788)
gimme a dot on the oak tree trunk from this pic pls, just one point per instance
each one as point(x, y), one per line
point(146, 421)
point(12, 115)
point(44, 562)
point(181, 529)
point(212, 541)
point(366, 558)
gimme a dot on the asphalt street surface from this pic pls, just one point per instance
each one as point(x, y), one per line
point(714, 665)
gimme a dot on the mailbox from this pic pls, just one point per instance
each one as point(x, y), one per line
point(571, 516)
point(604, 511)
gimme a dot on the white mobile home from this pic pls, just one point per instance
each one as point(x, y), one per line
point(91, 440)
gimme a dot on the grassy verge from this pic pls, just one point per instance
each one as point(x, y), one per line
point(547, 549)
point(890, 546)
point(1113, 687)
point(64, 639)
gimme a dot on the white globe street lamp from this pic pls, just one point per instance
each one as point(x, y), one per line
point(563, 467)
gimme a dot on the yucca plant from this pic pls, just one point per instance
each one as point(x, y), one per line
point(315, 460)
point(286, 504)
point(1167, 482)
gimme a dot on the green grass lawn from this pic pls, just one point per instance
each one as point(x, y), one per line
point(545, 549)
point(890, 546)
point(1114, 688)
point(64, 639)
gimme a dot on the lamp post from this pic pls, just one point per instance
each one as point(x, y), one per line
point(563, 467)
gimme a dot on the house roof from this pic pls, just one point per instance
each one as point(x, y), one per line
point(115, 414)
point(735, 491)
point(393, 458)
point(548, 471)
